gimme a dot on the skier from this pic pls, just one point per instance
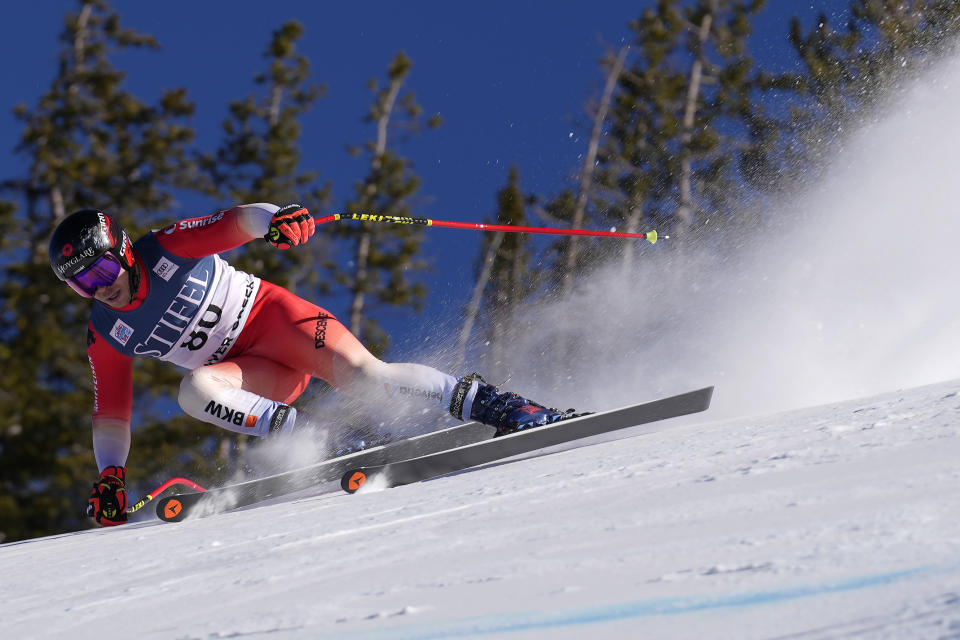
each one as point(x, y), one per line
point(250, 346)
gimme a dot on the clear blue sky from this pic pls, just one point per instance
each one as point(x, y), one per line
point(511, 80)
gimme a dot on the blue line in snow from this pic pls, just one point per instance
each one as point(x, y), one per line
point(512, 623)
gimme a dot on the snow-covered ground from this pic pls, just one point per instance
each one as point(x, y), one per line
point(832, 521)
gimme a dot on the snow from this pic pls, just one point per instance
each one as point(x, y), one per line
point(819, 498)
point(831, 521)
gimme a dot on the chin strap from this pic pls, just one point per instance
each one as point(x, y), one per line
point(134, 280)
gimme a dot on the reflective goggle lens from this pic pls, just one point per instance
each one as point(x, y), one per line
point(102, 273)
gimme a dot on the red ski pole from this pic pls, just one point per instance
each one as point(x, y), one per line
point(650, 236)
point(163, 487)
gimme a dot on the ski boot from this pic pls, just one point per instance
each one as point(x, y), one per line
point(505, 411)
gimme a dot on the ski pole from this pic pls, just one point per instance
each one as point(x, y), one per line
point(163, 487)
point(650, 236)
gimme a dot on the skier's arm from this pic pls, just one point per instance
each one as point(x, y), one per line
point(113, 401)
point(225, 230)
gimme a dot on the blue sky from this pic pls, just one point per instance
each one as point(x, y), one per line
point(510, 79)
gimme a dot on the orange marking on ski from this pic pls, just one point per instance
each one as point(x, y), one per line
point(172, 508)
point(356, 480)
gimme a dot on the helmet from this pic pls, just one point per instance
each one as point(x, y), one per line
point(84, 245)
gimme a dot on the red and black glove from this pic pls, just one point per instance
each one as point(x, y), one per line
point(108, 500)
point(290, 225)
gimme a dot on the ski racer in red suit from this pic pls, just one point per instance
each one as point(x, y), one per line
point(250, 347)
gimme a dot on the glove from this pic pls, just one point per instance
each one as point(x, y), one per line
point(108, 500)
point(290, 225)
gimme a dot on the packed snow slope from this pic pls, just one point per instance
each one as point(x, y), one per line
point(832, 521)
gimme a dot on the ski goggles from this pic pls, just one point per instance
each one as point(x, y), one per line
point(102, 273)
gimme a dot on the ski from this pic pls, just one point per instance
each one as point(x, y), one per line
point(431, 465)
point(178, 507)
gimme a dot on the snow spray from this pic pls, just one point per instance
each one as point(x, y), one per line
point(854, 293)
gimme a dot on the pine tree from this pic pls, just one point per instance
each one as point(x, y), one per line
point(504, 280)
point(572, 261)
point(846, 72)
point(87, 143)
point(681, 115)
point(571, 257)
point(259, 159)
point(383, 262)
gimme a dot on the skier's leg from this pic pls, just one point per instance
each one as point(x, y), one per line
point(246, 394)
point(307, 338)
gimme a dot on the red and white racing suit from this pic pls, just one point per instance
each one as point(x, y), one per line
point(249, 345)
